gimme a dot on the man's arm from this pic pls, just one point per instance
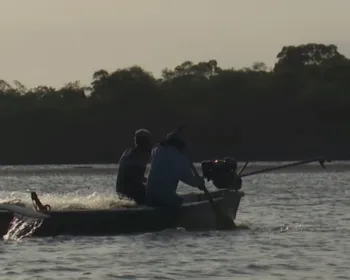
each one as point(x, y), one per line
point(185, 171)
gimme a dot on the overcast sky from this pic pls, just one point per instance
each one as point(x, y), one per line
point(52, 42)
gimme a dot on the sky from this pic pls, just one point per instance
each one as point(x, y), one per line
point(53, 42)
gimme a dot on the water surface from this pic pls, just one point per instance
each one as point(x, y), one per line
point(298, 228)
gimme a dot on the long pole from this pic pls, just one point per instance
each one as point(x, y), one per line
point(320, 160)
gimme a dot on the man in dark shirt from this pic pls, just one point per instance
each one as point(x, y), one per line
point(132, 166)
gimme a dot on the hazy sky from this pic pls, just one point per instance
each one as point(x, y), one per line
point(52, 42)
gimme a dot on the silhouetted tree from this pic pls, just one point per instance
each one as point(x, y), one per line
point(297, 109)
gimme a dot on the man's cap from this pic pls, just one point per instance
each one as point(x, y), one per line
point(173, 136)
point(142, 133)
point(175, 139)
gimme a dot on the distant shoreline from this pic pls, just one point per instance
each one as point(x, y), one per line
point(336, 166)
point(98, 164)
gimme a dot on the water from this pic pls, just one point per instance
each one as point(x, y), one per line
point(298, 228)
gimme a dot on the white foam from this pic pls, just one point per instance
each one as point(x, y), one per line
point(21, 227)
point(70, 201)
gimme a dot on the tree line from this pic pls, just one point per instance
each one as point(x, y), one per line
point(299, 108)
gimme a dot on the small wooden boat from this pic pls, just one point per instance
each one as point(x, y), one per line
point(195, 214)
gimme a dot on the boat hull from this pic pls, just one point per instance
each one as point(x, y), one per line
point(195, 214)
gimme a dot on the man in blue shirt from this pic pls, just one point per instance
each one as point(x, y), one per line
point(169, 165)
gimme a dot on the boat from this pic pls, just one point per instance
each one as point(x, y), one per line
point(196, 214)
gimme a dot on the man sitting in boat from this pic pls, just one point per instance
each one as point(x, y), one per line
point(132, 166)
point(169, 166)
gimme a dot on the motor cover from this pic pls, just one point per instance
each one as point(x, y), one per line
point(222, 172)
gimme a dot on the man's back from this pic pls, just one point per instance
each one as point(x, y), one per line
point(131, 171)
point(168, 166)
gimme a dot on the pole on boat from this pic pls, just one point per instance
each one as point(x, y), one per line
point(223, 221)
point(321, 161)
point(242, 169)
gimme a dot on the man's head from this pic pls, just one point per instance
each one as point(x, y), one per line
point(142, 138)
point(175, 139)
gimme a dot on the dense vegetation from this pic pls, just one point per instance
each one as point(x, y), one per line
point(300, 108)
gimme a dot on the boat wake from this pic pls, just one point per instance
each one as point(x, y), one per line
point(70, 201)
point(21, 227)
point(240, 226)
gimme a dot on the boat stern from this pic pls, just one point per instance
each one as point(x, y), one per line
point(200, 215)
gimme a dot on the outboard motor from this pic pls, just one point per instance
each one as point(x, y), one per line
point(222, 172)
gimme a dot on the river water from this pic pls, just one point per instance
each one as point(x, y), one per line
point(295, 224)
